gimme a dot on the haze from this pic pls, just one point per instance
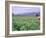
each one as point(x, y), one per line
point(21, 10)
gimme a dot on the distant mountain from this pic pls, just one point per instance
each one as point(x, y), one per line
point(29, 14)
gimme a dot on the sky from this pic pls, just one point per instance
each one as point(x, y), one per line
point(21, 10)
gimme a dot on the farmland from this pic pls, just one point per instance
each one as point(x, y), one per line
point(25, 23)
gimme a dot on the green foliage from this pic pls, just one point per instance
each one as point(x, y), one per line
point(23, 23)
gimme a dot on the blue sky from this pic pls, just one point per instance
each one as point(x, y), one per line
point(20, 10)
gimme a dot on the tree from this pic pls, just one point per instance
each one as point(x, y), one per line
point(38, 14)
point(12, 14)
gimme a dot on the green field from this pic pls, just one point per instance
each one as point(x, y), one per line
point(25, 23)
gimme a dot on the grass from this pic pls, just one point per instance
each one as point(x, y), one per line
point(25, 23)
